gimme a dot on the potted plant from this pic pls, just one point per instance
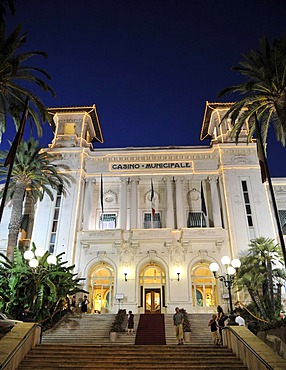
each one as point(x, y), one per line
point(116, 326)
point(186, 326)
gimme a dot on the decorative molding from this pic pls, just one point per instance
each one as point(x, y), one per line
point(101, 255)
point(203, 253)
point(152, 255)
point(177, 253)
point(126, 254)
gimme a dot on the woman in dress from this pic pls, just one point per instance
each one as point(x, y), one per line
point(130, 326)
point(84, 304)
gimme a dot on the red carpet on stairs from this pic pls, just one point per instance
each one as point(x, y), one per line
point(151, 330)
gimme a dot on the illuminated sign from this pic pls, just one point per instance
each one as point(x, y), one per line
point(150, 166)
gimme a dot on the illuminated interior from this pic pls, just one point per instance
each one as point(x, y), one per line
point(203, 287)
point(102, 282)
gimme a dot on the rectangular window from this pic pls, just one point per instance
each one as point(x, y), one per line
point(152, 224)
point(107, 221)
point(196, 219)
point(56, 215)
point(247, 203)
point(55, 221)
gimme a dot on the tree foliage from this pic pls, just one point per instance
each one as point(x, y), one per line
point(263, 91)
point(33, 171)
point(258, 276)
point(15, 75)
point(40, 291)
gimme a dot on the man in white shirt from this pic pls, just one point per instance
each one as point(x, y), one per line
point(240, 320)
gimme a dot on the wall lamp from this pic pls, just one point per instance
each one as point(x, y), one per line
point(125, 276)
point(178, 273)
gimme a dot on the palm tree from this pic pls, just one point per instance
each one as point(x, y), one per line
point(266, 253)
point(257, 275)
point(263, 92)
point(3, 5)
point(33, 172)
point(252, 279)
point(14, 76)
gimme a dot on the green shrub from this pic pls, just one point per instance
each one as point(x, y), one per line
point(116, 326)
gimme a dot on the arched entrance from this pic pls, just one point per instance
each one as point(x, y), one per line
point(152, 288)
point(102, 283)
point(204, 289)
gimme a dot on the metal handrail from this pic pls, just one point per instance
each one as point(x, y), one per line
point(249, 348)
point(30, 332)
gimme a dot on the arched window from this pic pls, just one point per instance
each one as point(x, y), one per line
point(102, 282)
point(203, 287)
point(152, 274)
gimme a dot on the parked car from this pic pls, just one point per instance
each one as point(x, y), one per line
point(7, 323)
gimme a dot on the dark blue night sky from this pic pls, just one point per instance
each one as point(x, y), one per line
point(149, 66)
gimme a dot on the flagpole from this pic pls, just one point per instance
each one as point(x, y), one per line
point(12, 155)
point(101, 200)
point(152, 205)
point(203, 204)
point(280, 233)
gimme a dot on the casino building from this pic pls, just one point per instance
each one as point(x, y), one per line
point(208, 201)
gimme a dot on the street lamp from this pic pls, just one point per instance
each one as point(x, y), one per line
point(228, 278)
point(32, 257)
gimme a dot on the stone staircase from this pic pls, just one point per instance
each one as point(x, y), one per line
point(83, 343)
point(52, 357)
point(87, 329)
point(200, 334)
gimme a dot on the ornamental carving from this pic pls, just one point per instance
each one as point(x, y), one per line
point(177, 253)
point(101, 255)
point(152, 255)
point(110, 197)
point(126, 254)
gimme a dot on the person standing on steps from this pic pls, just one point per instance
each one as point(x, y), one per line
point(73, 304)
point(214, 330)
point(239, 320)
point(221, 317)
point(84, 304)
point(130, 324)
point(178, 319)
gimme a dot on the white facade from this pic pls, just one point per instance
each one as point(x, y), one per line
point(160, 262)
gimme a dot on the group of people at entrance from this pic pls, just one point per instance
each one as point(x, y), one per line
point(217, 323)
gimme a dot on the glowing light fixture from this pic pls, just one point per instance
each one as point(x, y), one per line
point(52, 260)
point(34, 263)
point(225, 260)
point(29, 255)
point(39, 252)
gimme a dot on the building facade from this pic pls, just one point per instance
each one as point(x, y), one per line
point(143, 225)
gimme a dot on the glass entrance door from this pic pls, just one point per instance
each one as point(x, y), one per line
point(152, 301)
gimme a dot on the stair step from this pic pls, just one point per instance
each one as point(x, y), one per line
point(83, 342)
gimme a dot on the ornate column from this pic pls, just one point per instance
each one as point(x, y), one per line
point(215, 202)
point(87, 200)
point(180, 209)
point(134, 203)
point(170, 217)
point(123, 203)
